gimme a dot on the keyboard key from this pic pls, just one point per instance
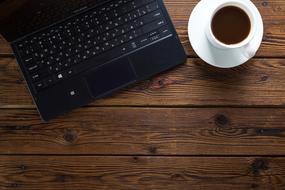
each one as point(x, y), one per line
point(151, 7)
point(70, 72)
point(28, 61)
point(153, 25)
point(49, 81)
point(33, 68)
point(59, 76)
point(143, 41)
point(40, 85)
point(35, 77)
point(164, 31)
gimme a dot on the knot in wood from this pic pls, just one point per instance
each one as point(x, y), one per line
point(221, 120)
point(70, 136)
point(259, 165)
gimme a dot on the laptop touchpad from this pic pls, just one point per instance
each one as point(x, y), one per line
point(109, 77)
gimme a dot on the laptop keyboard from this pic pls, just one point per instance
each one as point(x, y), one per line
point(103, 33)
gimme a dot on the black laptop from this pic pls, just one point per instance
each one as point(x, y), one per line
point(72, 52)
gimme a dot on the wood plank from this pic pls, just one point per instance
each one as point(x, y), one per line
point(4, 47)
point(258, 83)
point(145, 131)
point(140, 173)
point(272, 11)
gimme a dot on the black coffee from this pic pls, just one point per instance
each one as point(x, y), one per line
point(231, 25)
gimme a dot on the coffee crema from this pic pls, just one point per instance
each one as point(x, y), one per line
point(231, 25)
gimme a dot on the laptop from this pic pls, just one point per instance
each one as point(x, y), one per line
point(72, 52)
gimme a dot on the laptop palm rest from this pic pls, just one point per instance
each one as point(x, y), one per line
point(110, 77)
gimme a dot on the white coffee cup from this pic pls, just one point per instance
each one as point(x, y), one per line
point(245, 47)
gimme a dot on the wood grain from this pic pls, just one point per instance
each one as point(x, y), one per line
point(146, 131)
point(273, 13)
point(258, 83)
point(140, 173)
point(4, 47)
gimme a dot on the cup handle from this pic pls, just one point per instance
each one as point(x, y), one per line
point(249, 51)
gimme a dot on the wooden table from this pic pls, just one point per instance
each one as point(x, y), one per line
point(194, 127)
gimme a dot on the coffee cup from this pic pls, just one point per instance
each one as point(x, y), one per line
point(232, 26)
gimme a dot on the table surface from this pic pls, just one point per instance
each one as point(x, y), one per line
point(194, 127)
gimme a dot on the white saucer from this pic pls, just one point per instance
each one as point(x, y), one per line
point(214, 56)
